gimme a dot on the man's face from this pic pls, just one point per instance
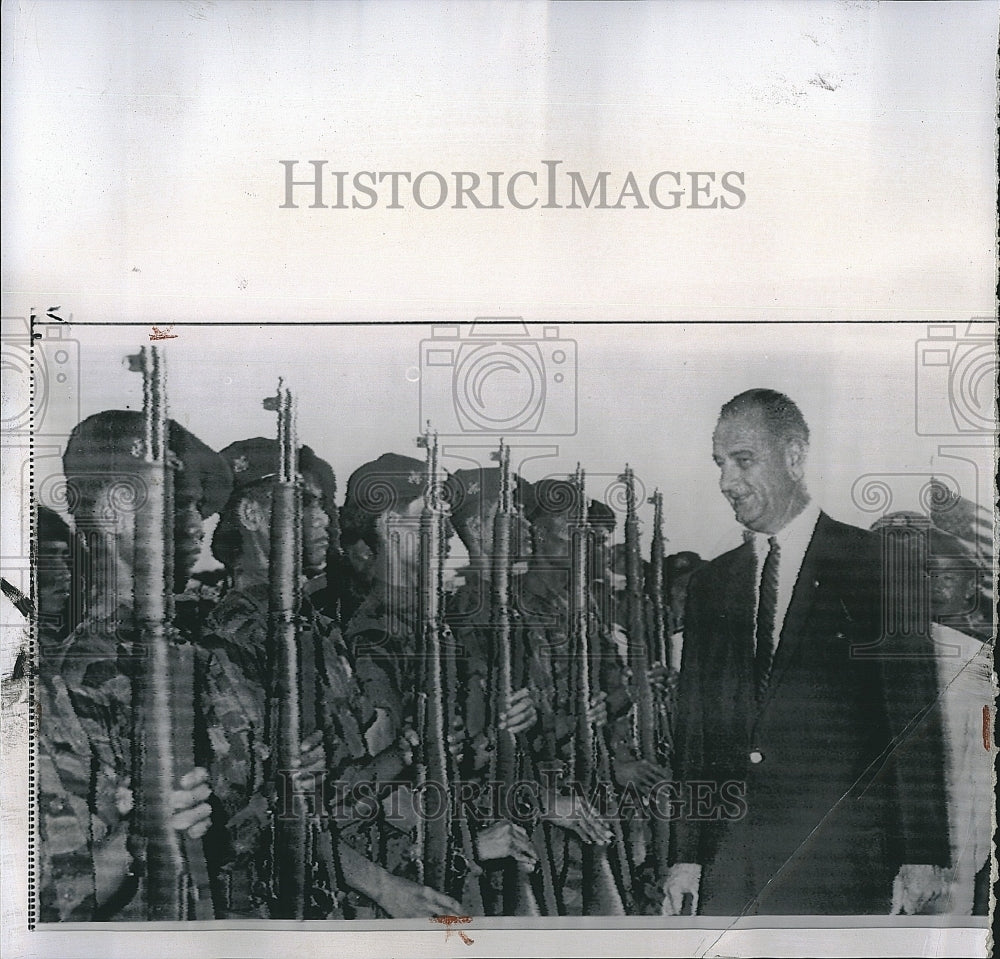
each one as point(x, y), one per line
point(53, 579)
point(398, 532)
point(188, 535)
point(953, 589)
point(760, 474)
point(476, 530)
point(678, 595)
point(552, 534)
point(315, 527)
point(360, 556)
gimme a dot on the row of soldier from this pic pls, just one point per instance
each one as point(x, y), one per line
point(361, 673)
point(503, 748)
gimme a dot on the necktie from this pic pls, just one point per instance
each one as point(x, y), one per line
point(765, 618)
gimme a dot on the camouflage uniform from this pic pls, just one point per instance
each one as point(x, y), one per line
point(85, 690)
point(382, 638)
point(96, 665)
point(234, 672)
point(80, 828)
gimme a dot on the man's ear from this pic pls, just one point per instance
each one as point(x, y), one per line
point(251, 515)
point(795, 458)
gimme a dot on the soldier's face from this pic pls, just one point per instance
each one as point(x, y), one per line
point(760, 474)
point(315, 527)
point(188, 536)
point(477, 527)
point(53, 578)
point(359, 554)
point(398, 530)
point(552, 534)
point(953, 590)
point(678, 594)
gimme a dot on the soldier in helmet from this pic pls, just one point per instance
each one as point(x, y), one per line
point(85, 727)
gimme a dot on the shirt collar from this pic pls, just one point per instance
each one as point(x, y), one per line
point(797, 532)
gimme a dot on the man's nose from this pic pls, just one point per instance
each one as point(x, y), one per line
point(729, 478)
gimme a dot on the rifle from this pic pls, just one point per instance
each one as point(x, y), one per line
point(284, 719)
point(518, 896)
point(659, 644)
point(591, 768)
point(646, 739)
point(433, 832)
point(175, 873)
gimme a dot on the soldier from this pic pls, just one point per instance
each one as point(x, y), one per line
point(544, 602)
point(474, 495)
point(678, 568)
point(54, 579)
point(334, 709)
point(386, 498)
point(85, 714)
point(921, 553)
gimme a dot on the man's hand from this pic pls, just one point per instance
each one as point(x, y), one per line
point(916, 886)
point(457, 739)
point(389, 763)
point(597, 714)
point(663, 679)
point(312, 758)
point(521, 715)
point(576, 814)
point(641, 772)
point(683, 879)
point(192, 813)
point(503, 839)
point(403, 899)
point(124, 800)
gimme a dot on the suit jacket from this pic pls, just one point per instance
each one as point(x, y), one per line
point(842, 761)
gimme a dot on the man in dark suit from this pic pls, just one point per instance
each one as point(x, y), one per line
point(790, 688)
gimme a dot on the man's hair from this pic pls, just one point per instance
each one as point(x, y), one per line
point(782, 416)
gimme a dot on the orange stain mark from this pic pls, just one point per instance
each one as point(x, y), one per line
point(449, 921)
point(163, 334)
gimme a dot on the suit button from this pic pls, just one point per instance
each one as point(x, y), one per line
point(756, 757)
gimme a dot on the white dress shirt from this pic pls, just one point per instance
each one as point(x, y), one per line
point(794, 541)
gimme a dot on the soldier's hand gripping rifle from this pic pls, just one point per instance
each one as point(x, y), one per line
point(591, 767)
point(175, 875)
point(284, 714)
point(646, 726)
